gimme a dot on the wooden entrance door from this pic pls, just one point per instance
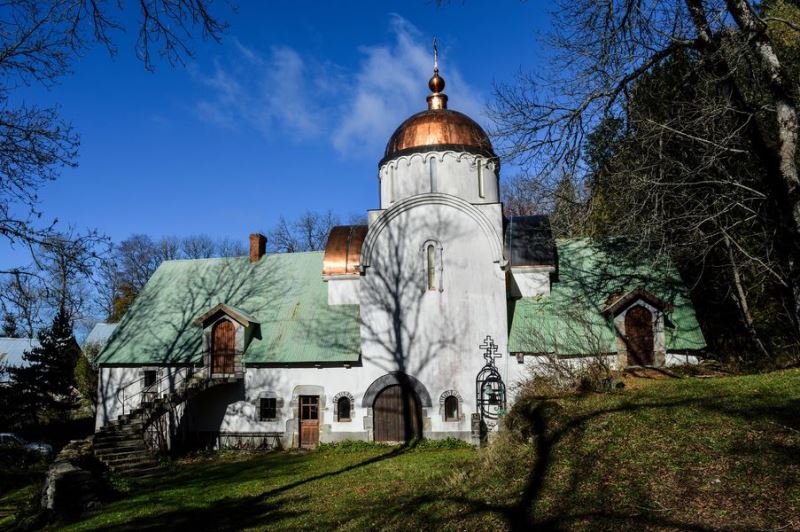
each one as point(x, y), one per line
point(309, 421)
point(639, 336)
point(396, 415)
point(223, 354)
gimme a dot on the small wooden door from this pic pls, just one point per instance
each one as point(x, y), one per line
point(396, 415)
point(309, 421)
point(639, 336)
point(223, 355)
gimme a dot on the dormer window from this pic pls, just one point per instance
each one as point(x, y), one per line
point(227, 332)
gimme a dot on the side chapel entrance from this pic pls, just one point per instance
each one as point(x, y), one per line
point(223, 356)
point(397, 416)
point(309, 421)
point(639, 336)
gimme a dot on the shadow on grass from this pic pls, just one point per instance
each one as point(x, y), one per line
point(233, 513)
point(590, 490)
point(547, 430)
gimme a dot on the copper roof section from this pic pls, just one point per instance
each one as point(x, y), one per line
point(343, 250)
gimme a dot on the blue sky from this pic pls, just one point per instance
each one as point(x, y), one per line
point(291, 112)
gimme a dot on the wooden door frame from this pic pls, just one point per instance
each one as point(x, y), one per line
point(229, 356)
point(416, 417)
point(628, 339)
point(300, 419)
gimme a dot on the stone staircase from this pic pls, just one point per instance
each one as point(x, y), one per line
point(121, 445)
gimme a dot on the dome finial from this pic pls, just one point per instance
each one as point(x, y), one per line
point(435, 57)
point(437, 100)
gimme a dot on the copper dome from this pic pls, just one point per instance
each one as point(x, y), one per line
point(438, 129)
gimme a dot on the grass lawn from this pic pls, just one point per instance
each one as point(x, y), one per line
point(721, 453)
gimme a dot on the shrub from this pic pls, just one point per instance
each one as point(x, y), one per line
point(352, 446)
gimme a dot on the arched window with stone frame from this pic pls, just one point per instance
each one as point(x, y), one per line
point(343, 405)
point(450, 406)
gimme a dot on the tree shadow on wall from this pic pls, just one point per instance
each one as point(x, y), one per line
point(402, 323)
point(160, 331)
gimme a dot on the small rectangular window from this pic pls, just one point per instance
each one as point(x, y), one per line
point(150, 378)
point(308, 407)
point(268, 408)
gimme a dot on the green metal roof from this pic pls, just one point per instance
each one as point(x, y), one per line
point(284, 293)
point(571, 321)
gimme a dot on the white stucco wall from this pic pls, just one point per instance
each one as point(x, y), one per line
point(343, 289)
point(677, 359)
point(455, 173)
point(119, 389)
point(530, 281)
point(434, 334)
point(233, 408)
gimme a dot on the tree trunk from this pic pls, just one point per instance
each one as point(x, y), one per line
point(786, 126)
point(779, 158)
point(740, 298)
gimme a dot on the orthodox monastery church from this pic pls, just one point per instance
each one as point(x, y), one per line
point(418, 324)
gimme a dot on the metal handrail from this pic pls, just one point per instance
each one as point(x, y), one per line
point(229, 367)
point(155, 385)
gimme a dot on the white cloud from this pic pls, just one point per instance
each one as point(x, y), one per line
point(391, 85)
point(285, 92)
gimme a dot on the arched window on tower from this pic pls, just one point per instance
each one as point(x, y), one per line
point(430, 257)
point(481, 184)
point(431, 266)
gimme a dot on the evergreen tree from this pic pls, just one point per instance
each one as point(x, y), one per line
point(10, 326)
point(566, 217)
point(86, 374)
point(48, 380)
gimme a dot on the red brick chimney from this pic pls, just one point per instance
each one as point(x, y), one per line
point(258, 246)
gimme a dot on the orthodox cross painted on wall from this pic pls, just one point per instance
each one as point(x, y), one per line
point(490, 390)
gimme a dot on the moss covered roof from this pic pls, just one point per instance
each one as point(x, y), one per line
point(284, 293)
point(572, 319)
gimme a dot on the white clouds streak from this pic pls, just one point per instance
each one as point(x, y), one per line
point(283, 92)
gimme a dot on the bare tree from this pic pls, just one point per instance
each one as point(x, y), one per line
point(735, 106)
point(282, 239)
point(228, 247)
point(308, 233)
point(67, 264)
point(39, 42)
point(23, 298)
point(198, 247)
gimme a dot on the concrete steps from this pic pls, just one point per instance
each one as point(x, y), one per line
point(120, 444)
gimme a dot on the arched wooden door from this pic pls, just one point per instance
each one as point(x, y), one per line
point(396, 415)
point(223, 354)
point(639, 336)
